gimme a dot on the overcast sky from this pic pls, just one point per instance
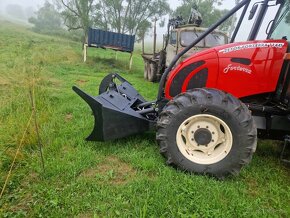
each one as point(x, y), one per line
point(228, 4)
point(23, 3)
point(37, 3)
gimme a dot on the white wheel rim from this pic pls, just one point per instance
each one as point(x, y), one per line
point(220, 140)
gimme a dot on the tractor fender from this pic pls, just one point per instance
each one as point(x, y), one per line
point(193, 72)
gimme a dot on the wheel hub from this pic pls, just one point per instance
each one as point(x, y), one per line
point(204, 139)
point(202, 136)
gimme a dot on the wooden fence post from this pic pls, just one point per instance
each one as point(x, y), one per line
point(85, 52)
point(131, 61)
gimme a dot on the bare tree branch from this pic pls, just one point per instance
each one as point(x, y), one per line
point(69, 8)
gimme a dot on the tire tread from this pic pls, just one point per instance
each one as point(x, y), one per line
point(207, 97)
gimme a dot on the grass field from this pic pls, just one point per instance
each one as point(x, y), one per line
point(123, 178)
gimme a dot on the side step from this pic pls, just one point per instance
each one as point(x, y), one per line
point(283, 155)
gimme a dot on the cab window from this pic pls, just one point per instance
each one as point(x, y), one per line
point(281, 28)
point(215, 39)
point(173, 38)
point(187, 37)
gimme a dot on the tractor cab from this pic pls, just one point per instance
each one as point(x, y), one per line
point(182, 33)
point(280, 29)
point(182, 36)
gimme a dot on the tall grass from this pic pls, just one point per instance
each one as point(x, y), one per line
point(122, 178)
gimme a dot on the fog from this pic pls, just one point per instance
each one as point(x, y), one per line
point(38, 3)
point(19, 11)
point(23, 3)
point(29, 6)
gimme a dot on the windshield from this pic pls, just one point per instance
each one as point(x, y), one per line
point(187, 37)
point(213, 39)
point(281, 28)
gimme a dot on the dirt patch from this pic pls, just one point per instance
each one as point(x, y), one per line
point(151, 176)
point(68, 117)
point(89, 173)
point(67, 149)
point(54, 82)
point(253, 187)
point(81, 81)
point(33, 176)
point(112, 170)
point(4, 82)
point(24, 204)
point(25, 200)
point(85, 215)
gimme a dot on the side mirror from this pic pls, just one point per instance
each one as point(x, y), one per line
point(269, 27)
point(253, 11)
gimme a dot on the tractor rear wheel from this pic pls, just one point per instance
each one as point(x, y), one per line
point(207, 131)
point(146, 66)
point(152, 72)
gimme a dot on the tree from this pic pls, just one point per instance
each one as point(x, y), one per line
point(47, 19)
point(122, 16)
point(210, 14)
point(77, 14)
point(129, 16)
point(144, 26)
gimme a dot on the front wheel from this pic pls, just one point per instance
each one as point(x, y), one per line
point(207, 131)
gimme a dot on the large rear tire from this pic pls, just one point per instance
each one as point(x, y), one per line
point(146, 66)
point(207, 131)
point(152, 72)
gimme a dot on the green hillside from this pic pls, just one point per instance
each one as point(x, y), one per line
point(123, 178)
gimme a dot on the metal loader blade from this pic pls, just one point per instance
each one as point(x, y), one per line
point(114, 112)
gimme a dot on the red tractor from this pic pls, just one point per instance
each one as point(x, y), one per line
point(210, 108)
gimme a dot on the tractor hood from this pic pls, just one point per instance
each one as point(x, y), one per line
point(253, 65)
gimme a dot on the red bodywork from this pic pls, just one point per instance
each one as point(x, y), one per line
point(242, 69)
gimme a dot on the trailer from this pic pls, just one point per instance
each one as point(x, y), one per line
point(98, 38)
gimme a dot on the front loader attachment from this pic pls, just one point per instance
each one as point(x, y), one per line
point(119, 110)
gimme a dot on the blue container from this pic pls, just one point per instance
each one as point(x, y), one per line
point(111, 40)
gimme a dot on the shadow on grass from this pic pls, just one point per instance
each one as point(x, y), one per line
point(106, 61)
point(146, 139)
point(269, 148)
point(110, 62)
